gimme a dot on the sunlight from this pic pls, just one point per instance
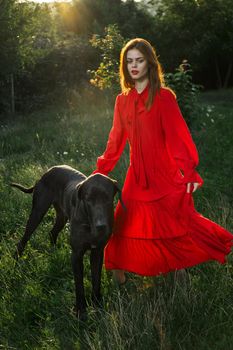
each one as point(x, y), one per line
point(45, 1)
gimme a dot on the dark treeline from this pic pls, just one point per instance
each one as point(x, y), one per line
point(48, 51)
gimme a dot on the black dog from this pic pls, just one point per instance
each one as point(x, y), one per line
point(87, 202)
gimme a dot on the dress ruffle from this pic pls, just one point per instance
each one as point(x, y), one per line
point(165, 235)
point(167, 217)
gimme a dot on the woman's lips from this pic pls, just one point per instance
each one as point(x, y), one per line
point(134, 72)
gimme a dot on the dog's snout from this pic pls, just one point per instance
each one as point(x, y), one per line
point(100, 234)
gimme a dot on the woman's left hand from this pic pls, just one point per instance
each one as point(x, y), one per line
point(193, 185)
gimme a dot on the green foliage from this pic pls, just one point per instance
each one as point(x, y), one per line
point(57, 74)
point(8, 38)
point(9, 52)
point(181, 83)
point(29, 39)
point(202, 32)
point(46, 48)
point(36, 37)
point(93, 16)
point(106, 75)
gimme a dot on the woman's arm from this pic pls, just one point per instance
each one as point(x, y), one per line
point(115, 144)
point(179, 140)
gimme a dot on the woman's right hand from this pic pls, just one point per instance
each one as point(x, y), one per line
point(193, 185)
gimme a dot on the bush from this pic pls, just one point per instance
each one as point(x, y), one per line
point(55, 75)
point(106, 76)
point(187, 92)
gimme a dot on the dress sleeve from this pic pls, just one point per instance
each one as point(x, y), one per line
point(115, 144)
point(178, 139)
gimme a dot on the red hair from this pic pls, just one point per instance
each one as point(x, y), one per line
point(155, 74)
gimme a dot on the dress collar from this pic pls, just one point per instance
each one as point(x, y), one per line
point(143, 94)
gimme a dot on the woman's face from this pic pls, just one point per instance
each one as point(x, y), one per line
point(137, 65)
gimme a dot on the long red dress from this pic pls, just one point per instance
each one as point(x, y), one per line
point(160, 230)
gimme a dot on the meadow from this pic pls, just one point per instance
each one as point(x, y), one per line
point(37, 293)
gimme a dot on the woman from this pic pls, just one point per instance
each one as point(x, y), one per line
point(160, 230)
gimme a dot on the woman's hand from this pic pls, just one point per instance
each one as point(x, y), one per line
point(192, 185)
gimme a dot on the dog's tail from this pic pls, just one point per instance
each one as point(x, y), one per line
point(22, 188)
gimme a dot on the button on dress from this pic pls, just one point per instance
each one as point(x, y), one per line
point(160, 230)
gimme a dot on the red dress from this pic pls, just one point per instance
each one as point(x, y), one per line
point(160, 230)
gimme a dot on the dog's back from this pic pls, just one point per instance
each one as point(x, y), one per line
point(56, 178)
point(60, 176)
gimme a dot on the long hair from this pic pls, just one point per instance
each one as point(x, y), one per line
point(155, 74)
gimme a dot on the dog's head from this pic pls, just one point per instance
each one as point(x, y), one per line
point(94, 198)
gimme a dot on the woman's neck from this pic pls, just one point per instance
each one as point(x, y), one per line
point(141, 85)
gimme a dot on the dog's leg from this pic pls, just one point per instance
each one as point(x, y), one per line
point(60, 222)
point(96, 261)
point(77, 265)
point(40, 205)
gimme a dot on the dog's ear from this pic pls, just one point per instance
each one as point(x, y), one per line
point(117, 189)
point(77, 194)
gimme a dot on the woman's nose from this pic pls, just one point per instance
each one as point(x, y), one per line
point(135, 64)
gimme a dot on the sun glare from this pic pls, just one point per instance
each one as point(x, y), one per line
point(49, 1)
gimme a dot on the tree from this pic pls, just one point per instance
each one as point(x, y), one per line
point(106, 75)
point(25, 37)
point(9, 54)
point(8, 38)
point(200, 31)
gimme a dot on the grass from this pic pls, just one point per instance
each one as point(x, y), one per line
point(37, 293)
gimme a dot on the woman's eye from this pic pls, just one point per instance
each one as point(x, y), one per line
point(138, 61)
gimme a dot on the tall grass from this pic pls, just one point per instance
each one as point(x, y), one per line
point(37, 293)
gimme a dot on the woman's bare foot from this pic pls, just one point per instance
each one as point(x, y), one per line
point(119, 276)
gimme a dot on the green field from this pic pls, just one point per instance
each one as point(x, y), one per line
point(37, 293)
